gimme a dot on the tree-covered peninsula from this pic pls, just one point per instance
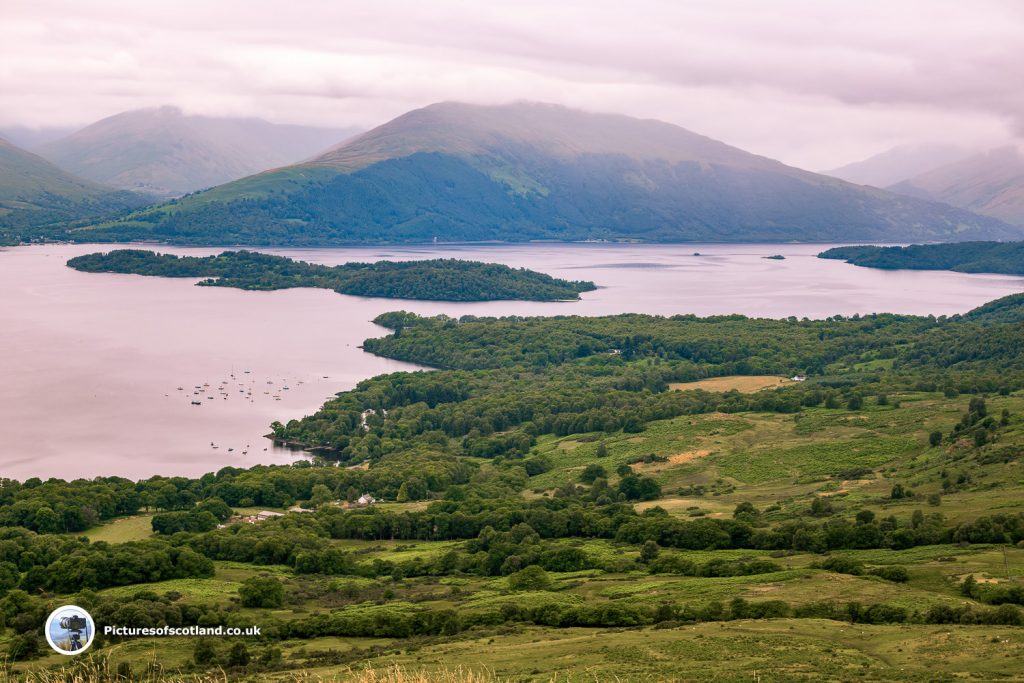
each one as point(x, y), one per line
point(965, 257)
point(434, 279)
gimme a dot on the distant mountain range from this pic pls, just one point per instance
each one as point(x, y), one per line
point(991, 184)
point(30, 138)
point(988, 183)
point(34, 193)
point(165, 153)
point(899, 163)
point(458, 172)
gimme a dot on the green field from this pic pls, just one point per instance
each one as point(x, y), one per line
point(134, 528)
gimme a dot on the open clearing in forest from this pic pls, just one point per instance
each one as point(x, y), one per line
point(746, 384)
point(122, 529)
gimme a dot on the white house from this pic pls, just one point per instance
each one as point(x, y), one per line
point(366, 499)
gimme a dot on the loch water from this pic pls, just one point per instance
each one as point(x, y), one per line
point(91, 364)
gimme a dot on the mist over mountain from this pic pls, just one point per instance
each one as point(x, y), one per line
point(34, 192)
point(458, 172)
point(898, 164)
point(30, 138)
point(990, 183)
point(166, 153)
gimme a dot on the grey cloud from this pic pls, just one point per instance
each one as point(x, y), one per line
point(813, 82)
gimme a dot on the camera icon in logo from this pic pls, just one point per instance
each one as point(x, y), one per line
point(70, 630)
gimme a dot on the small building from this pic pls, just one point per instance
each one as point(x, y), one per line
point(366, 499)
point(267, 514)
point(798, 378)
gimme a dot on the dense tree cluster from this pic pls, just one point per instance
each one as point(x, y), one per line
point(435, 279)
point(58, 506)
point(965, 257)
point(65, 564)
point(510, 380)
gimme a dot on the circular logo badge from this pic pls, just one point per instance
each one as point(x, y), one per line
point(70, 630)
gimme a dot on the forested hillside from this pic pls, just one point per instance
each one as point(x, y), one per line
point(39, 200)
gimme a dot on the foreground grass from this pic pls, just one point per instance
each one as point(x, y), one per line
point(773, 650)
point(100, 671)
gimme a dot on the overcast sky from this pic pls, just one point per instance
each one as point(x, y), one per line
point(815, 83)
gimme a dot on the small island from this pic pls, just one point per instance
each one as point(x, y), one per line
point(434, 279)
point(776, 257)
point(1005, 258)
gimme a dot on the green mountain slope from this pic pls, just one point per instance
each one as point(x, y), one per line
point(34, 193)
point(455, 172)
point(167, 153)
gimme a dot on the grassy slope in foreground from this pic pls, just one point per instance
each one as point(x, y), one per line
point(965, 257)
point(435, 279)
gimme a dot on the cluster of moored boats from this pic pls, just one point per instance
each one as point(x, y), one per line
point(224, 390)
point(231, 388)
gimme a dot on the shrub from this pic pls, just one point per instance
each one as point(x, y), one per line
point(894, 574)
point(840, 565)
point(261, 591)
point(592, 472)
point(532, 578)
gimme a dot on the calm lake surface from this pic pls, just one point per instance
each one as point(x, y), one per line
point(91, 365)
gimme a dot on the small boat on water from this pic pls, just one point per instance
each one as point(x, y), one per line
point(197, 403)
